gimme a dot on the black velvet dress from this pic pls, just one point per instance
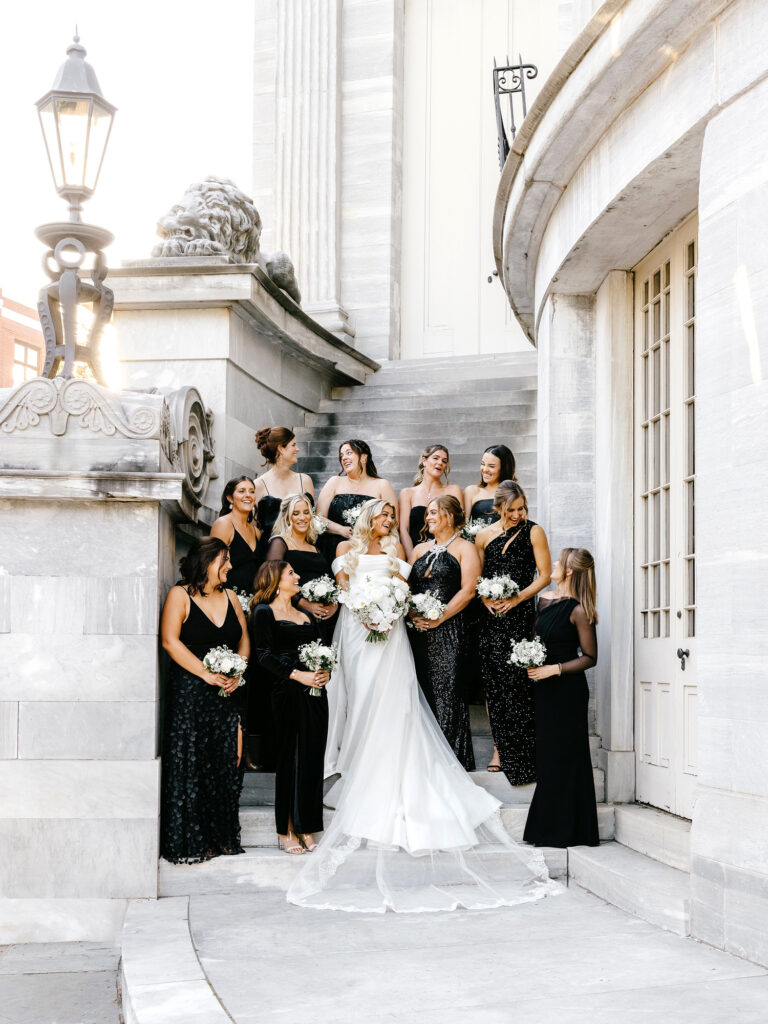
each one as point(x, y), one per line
point(508, 690)
point(301, 721)
point(438, 654)
point(563, 811)
point(200, 791)
point(245, 563)
point(340, 503)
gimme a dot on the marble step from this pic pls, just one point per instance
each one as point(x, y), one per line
point(465, 414)
point(463, 398)
point(656, 834)
point(265, 870)
point(392, 389)
point(447, 427)
point(636, 884)
point(463, 367)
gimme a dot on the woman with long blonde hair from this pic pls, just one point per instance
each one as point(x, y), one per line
point(434, 464)
point(563, 811)
point(409, 821)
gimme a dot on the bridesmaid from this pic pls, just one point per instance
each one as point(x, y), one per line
point(497, 464)
point(517, 547)
point(281, 452)
point(357, 483)
point(447, 567)
point(203, 742)
point(434, 463)
point(278, 630)
point(236, 528)
point(293, 541)
point(563, 811)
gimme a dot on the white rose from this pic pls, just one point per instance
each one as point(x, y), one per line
point(226, 665)
point(496, 590)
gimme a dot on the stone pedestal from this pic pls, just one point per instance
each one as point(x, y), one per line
point(89, 488)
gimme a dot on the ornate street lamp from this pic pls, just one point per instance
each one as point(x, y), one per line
point(76, 122)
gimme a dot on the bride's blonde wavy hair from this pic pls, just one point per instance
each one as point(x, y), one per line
point(362, 535)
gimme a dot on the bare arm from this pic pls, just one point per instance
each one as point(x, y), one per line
point(544, 567)
point(470, 570)
point(341, 576)
point(388, 493)
point(224, 529)
point(307, 484)
point(469, 499)
point(175, 611)
point(324, 504)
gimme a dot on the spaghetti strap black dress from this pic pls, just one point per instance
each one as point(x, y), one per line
point(301, 721)
point(201, 781)
point(267, 511)
point(245, 563)
point(563, 811)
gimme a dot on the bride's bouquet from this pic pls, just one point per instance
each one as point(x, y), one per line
point(377, 604)
point(323, 590)
point(528, 653)
point(222, 660)
point(497, 588)
point(318, 658)
point(473, 527)
point(351, 515)
point(426, 606)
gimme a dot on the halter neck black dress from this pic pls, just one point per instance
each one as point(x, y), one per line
point(201, 781)
point(438, 654)
point(508, 690)
point(563, 811)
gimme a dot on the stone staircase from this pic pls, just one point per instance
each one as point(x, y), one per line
point(466, 403)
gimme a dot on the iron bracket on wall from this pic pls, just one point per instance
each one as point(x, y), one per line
point(509, 80)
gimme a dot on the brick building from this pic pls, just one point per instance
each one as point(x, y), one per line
point(21, 343)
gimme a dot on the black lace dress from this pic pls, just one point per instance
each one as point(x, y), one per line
point(563, 811)
point(201, 781)
point(340, 503)
point(245, 563)
point(438, 654)
point(508, 690)
point(301, 720)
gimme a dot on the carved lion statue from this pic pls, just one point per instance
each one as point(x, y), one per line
point(214, 218)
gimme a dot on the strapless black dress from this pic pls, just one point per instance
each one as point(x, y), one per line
point(340, 503)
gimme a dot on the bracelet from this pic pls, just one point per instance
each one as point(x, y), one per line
point(560, 666)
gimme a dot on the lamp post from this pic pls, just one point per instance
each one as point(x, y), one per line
point(76, 121)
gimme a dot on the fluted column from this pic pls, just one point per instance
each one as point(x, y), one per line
point(307, 136)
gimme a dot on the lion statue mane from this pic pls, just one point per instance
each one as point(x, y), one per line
point(214, 218)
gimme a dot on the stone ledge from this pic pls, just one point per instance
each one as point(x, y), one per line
point(96, 486)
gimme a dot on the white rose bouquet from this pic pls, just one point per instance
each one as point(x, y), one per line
point(426, 606)
point(222, 660)
point(377, 604)
point(244, 599)
point(473, 527)
point(318, 658)
point(497, 588)
point(351, 515)
point(528, 653)
point(319, 524)
point(323, 590)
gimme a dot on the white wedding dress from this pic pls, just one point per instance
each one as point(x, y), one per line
point(411, 831)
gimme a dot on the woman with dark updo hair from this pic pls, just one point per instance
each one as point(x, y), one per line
point(280, 451)
point(235, 526)
point(203, 741)
point(357, 483)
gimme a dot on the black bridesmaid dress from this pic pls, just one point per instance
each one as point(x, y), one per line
point(245, 564)
point(438, 653)
point(267, 511)
point(340, 503)
point(301, 721)
point(508, 690)
point(309, 565)
point(483, 509)
point(200, 790)
point(474, 616)
point(563, 811)
point(416, 522)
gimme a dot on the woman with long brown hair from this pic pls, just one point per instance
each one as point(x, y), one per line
point(236, 527)
point(278, 630)
point(563, 811)
point(434, 464)
point(496, 465)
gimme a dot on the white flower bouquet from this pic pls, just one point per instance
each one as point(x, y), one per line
point(318, 658)
point(377, 604)
point(319, 524)
point(323, 590)
point(426, 606)
point(473, 527)
point(227, 663)
point(351, 515)
point(244, 599)
point(528, 653)
point(497, 588)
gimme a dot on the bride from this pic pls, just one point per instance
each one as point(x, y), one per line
point(411, 831)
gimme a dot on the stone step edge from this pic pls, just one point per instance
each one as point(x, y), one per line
point(159, 966)
point(654, 833)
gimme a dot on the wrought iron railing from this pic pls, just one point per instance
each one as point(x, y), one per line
point(510, 80)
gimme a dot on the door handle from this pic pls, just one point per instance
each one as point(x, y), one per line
point(682, 655)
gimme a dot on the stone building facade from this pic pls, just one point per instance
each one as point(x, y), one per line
point(22, 348)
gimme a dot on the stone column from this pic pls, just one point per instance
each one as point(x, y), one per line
point(729, 852)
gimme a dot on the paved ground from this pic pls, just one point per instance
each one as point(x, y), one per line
point(59, 983)
point(567, 959)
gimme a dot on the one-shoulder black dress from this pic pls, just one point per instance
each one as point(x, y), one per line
point(563, 811)
point(438, 653)
point(301, 721)
point(508, 690)
point(200, 791)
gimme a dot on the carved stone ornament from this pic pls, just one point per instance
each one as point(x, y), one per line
point(214, 218)
point(192, 441)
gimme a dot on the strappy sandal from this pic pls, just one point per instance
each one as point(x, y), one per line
point(493, 768)
point(290, 844)
point(309, 842)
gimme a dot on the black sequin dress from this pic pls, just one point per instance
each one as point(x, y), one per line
point(200, 790)
point(508, 690)
point(563, 811)
point(301, 720)
point(340, 503)
point(474, 616)
point(438, 654)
